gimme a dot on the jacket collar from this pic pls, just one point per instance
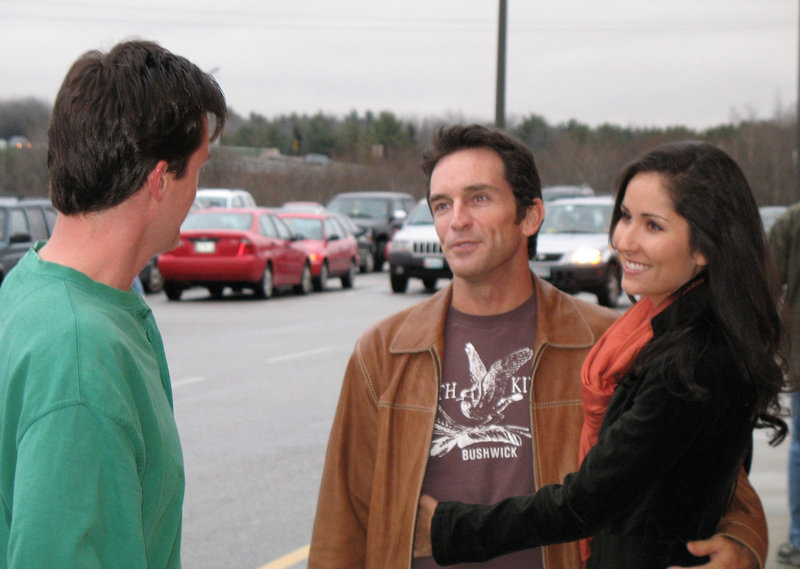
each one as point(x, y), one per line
point(558, 321)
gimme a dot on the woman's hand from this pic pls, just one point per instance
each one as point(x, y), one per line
point(422, 530)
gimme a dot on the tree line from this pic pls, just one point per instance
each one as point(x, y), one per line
point(313, 157)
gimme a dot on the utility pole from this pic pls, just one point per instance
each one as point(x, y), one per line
point(500, 94)
point(797, 121)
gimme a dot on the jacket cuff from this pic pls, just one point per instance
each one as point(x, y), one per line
point(746, 537)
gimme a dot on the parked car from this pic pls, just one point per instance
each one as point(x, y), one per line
point(365, 240)
point(415, 251)
point(573, 251)
point(225, 197)
point(383, 212)
point(23, 222)
point(769, 213)
point(246, 248)
point(332, 248)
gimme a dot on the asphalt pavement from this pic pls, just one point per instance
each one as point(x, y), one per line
point(255, 386)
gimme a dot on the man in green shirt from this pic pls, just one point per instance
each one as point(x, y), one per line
point(91, 469)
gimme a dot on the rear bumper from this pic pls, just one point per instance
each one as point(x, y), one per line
point(245, 268)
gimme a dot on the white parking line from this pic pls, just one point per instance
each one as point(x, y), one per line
point(299, 355)
point(187, 381)
point(288, 560)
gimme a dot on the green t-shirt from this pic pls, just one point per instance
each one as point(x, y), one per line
point(91, 468)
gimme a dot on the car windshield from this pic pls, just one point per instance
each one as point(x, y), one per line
point(213, 201)
point(364, 208)
point(308, 227)
point(576, 218)
point(218, 220)
point(421, 215)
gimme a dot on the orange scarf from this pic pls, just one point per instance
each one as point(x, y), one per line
point(606, 362)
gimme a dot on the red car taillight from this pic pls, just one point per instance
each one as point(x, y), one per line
point(245, 248)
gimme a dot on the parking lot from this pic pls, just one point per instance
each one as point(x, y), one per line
point(255, 385)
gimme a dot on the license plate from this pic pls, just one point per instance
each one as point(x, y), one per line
point(204, 246)
point(433, 263)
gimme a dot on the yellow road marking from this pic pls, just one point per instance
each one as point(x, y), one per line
point(289, 559)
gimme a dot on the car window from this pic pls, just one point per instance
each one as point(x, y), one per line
point(343, 229)
point(267, 226)
point(37, 222)
point(577, 218)
point(364, 208)
point(421, 215)
point(309, 228)
point(212, 201)
point(283, 231)
point(219, 220)
point(19, 223)
point(333, 229)
point(50, 216)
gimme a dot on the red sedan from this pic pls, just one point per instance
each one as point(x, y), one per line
point(332, 247)
point(248, 248)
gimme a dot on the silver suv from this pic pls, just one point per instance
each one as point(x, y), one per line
point(415, 252)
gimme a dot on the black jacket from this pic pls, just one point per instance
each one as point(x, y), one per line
point(661, 474)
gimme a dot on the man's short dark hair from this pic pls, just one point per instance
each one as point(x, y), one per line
point(117, 114)
point(520, 167)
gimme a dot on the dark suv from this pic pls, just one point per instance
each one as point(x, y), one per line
point(22, 223)
point(382, 212)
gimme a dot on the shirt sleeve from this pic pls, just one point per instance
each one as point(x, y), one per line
point(77, 497)
point(632, 454)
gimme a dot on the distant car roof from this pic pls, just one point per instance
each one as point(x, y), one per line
point(219, 190)
point(306, 214)
point(373, 193)
point(589, 200)
point(566, 191)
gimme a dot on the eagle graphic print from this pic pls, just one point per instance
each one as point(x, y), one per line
point(482, 405)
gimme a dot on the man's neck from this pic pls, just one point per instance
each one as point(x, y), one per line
point(496, 297)
point(103, 246)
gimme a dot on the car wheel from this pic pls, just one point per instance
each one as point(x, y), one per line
point(321, 282)
point(399, 283)
point(266, 286)
point(429, 283)
point(349, 277)
point(154, 282)
point(305, 285)
point(369, 264)
point(216, 290)
point(172, 291)
point(610, 293)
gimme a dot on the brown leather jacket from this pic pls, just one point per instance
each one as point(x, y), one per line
point(382, 431)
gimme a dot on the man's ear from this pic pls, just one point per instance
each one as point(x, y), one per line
point(534, 216)
point(157, 180)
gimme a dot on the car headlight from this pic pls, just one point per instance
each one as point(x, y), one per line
point(400, 246)
point(586, 256)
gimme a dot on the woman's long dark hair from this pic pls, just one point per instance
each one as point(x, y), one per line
point(709, 190)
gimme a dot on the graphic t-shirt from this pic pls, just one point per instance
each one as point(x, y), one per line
point(481, 450)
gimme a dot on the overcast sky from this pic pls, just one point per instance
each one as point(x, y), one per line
point(628, 62)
